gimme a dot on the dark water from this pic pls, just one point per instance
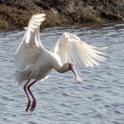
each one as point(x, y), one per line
point(60, 100)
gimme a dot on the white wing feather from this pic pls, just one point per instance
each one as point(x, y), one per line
point(30, 47)
point(71, 49)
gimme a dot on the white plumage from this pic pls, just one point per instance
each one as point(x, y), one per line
point(34, 62)
point(71, 48)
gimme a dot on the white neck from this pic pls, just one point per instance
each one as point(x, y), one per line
point(63, 68)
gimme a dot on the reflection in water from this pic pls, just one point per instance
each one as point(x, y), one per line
point(99, 100)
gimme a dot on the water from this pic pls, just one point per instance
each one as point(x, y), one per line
point(60, 100)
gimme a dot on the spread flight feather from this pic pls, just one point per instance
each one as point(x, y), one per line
point(69, 48)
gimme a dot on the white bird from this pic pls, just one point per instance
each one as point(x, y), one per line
point(34, 62)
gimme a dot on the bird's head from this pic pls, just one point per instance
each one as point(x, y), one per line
point(71, 67)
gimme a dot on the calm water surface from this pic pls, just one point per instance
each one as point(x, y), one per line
point(60, 100)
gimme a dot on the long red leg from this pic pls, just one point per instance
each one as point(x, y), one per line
point(29, 101)
point(34, 100)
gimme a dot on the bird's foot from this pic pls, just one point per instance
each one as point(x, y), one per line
point(28, 105)
point(33, 105)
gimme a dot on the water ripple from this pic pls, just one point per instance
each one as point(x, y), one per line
point(60, 100)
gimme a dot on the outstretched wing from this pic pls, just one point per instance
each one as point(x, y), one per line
point(30, 47)
point(71, 49)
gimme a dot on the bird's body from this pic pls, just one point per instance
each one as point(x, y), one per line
point(40, 69)
point(34, 62)
point(37, 69)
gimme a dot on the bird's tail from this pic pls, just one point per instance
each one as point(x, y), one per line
point(21, 77)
